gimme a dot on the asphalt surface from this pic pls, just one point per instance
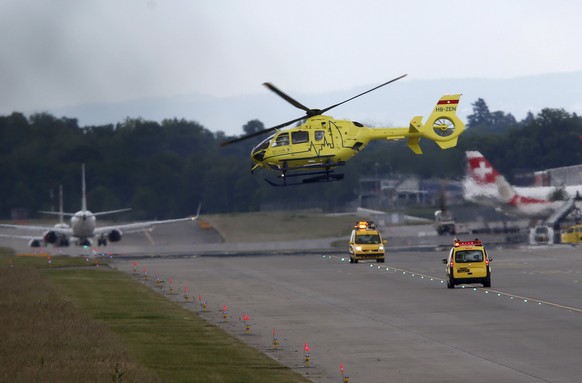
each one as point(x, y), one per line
point(392, 322)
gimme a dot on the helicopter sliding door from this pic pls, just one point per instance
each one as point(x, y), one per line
point(301, 145)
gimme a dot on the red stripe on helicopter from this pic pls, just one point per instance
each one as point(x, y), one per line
point(447, 102)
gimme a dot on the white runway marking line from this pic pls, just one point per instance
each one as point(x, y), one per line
point(486, 291)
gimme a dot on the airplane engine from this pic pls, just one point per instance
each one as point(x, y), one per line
point(114, 236)
point(50, 237)
point(34, 243)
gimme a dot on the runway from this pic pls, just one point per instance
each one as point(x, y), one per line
point(393, 322)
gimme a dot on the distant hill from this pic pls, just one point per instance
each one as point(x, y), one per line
point(393, 105)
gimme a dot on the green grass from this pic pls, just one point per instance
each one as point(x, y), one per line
point(45, 338)
point(71, 324)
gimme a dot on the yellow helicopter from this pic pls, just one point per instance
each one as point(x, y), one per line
point(321, 143)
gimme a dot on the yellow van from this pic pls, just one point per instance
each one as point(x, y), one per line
point(468, 262)
point(572, 235)
point(366, 243)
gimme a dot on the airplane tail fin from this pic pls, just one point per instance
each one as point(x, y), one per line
point(442, 126)
point(61, 207)
point(506, 191)
point(479, 169)
point(83, 189)
point(84, 198)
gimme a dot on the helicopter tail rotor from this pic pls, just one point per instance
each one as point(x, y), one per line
point(443, 125)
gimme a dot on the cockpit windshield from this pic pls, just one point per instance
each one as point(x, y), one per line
point(263, 144)
point(258, 151)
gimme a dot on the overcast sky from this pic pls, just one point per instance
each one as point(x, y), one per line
point(57, 53)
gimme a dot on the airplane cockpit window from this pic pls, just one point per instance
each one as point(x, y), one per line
point(319, 134)
point(282, 139)
point(300, 137)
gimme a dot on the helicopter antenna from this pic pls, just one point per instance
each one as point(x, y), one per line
point(309, 112)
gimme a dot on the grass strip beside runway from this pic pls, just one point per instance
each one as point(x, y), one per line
point(45, 338)
point(159, 334)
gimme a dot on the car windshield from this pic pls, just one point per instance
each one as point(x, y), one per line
point(369, 239)
point(466, 256)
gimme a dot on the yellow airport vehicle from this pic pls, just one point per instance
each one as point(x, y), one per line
point(572, 235)
point(366, 243)
point(468, 262)
point(313, 150)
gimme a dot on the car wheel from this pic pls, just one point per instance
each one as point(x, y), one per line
point(351, 260)
point(487, 282)
point(451, 283)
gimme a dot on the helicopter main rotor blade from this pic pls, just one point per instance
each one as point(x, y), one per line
point(289, 99)
point(361, 94)
point(297, 104)
point(261, 132)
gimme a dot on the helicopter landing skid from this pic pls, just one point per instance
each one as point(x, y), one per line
point(323, 176)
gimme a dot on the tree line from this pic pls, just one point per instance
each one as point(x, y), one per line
point(164, 170)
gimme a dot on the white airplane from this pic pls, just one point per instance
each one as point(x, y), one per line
point(84, 226)
point(485, 185)
point(53, 235)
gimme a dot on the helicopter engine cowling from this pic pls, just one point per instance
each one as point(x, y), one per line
point(114, 235)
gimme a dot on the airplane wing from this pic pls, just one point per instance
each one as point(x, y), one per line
point(143, 226)
point(34, 228)
point(111, 211)
point(27, 237)
point(95, 214)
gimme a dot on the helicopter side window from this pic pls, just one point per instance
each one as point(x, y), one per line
point(319, 134)
point(282, 140)
point(300, 137)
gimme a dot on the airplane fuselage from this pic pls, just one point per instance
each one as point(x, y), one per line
point(485, 185)
point(83, 224)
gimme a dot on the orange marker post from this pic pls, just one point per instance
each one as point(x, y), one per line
point(224, 313)
point(275, 341)
point(307, 352)
point(247, 325)
point(345, 378)
point(202, 303)
point(171, 292)
point(186, 296)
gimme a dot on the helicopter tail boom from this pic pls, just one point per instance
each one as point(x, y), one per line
point(442, 126)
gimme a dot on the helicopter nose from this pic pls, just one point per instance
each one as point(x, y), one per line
point(258, 155)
